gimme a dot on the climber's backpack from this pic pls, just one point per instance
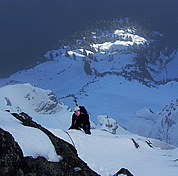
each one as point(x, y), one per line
point(84, 111)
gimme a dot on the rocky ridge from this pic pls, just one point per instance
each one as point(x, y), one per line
point(14, 163)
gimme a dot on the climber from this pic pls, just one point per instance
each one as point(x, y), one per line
point(80, 119)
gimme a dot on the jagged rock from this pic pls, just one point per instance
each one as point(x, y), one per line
point(40, 166)
point(135, 143)
point(11, 155)
point(71, 164)
point(124, 172)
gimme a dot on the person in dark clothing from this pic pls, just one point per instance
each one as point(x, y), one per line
point(80, 120)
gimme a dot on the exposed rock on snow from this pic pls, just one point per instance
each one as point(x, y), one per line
point(108, 124)
point(14, 163)
point(123, 171)
point(11, 154)
point(39, 100)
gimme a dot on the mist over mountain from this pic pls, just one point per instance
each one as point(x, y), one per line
point(30, 28)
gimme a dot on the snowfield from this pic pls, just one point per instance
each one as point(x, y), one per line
point(104, 152)
point(46, 93)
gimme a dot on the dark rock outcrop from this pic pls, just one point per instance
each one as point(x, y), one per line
point(124, 172)
point(41, 167)
point(13, 163)
point(11, 155)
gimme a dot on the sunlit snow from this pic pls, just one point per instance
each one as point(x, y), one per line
point(108, 97)
point(104, 152)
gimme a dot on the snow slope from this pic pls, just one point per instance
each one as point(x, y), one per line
point(104, 152)
point(109, 94)
point(162, 126)
point(105, 90)
point(32, 141)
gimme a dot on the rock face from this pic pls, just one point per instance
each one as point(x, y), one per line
point(38, 100)
point(123, 171)
point(13, 163)
point(10, 154)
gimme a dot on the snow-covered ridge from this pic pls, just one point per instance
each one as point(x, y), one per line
point(104, 83)
point(110, 73)
point(36, 101)
point(162, 126)
point(103, 151)
point(33, 98)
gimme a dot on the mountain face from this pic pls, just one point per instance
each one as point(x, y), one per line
point(162, 126)
point(42, 102)
point(112, 73)
point(30, 28)
point(13, 161)
point(166, 128)
point(117, 68)
point(40, 144)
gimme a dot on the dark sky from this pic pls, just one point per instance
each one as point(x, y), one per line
point(27, 30)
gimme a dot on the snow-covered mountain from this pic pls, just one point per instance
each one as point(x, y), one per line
point(107, 78)
point(162, 126)
point(104, 152)
point(43, 102)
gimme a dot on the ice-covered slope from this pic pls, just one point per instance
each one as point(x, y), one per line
point(103, 152)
